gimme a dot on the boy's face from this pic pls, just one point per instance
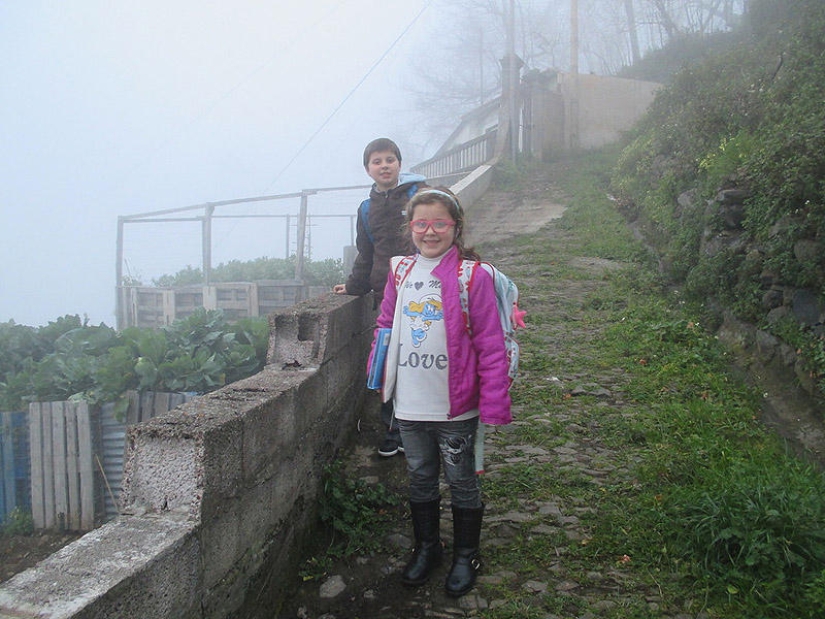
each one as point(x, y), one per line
point(384, 167)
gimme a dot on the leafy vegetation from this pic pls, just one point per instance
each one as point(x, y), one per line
point(17, 522)
point(357, 513)
point(69, 359)
point(719, 499)
point(700, 507)
point(316, 272)
point(747, 116)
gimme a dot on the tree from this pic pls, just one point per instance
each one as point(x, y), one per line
point(462, 69)
point(635, 54)
point(676, 18)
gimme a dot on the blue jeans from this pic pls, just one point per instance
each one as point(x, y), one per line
point(428, 445)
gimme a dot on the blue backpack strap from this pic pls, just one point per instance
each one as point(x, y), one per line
point(364, 209)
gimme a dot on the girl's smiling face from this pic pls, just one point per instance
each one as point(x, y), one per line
point(432, 244)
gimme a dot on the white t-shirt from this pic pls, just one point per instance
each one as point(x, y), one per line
point(421, 388)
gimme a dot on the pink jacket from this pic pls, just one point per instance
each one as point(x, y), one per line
point(478, 362)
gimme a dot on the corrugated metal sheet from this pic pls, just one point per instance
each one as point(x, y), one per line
point(113, 440)
point(15, 473)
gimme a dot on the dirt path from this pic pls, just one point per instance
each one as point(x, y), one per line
point(500, 215)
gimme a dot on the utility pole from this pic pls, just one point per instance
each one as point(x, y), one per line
point(120, 301)
point(206, 242)
point(301, 236)
point(508, 112)
point(574, 37)
point(480, 66)
point(513, 85)
point(574, 71)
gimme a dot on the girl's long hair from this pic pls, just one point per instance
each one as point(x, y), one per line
point(444, 196)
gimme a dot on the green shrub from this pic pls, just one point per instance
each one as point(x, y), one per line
point(727, 161)
point(748, 116)
point(18, 522)
point(355, 510)
point(815, 593)
point(714, 499)
point(810, 344)
point(326, 272)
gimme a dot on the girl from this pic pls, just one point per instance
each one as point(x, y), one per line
point(442, 377)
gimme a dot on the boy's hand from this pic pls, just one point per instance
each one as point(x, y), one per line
point(339, 289)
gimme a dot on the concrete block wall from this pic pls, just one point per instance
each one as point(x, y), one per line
point(221, 493)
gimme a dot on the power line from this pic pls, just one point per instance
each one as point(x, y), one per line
point(260, 68)
point(349, 95)
point(264, 65)
point(217, 100)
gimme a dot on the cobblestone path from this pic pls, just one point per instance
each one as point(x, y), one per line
point(368, 587)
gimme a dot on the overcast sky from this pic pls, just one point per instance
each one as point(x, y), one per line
point(116, 108)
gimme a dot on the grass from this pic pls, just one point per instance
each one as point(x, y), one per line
point(686, 504)
point(701, 508)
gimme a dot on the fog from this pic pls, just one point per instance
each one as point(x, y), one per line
point(112, 109)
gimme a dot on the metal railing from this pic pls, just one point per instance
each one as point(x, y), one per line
point(459, 159)
point(293, 208)
point(444, 168)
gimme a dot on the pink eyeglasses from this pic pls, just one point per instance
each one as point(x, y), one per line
point(439, 226)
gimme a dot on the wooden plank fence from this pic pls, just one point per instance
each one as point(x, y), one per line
point(62, 466)
point(77, 458)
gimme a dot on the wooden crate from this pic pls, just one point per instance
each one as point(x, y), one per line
point(149, 307)
point(237, 300)
point(186, 301)
point(278, 294)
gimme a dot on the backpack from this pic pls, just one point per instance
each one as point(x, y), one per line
point(509, 314)
point(364, 210)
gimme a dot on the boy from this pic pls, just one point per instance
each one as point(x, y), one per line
point(378, 240)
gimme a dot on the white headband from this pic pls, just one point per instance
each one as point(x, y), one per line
point(441, 193)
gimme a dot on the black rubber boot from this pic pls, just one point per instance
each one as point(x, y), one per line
point(466, 563)
point(428, 550)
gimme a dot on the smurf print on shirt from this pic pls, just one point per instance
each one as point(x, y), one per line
point(422, 314)
point(422, 349)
